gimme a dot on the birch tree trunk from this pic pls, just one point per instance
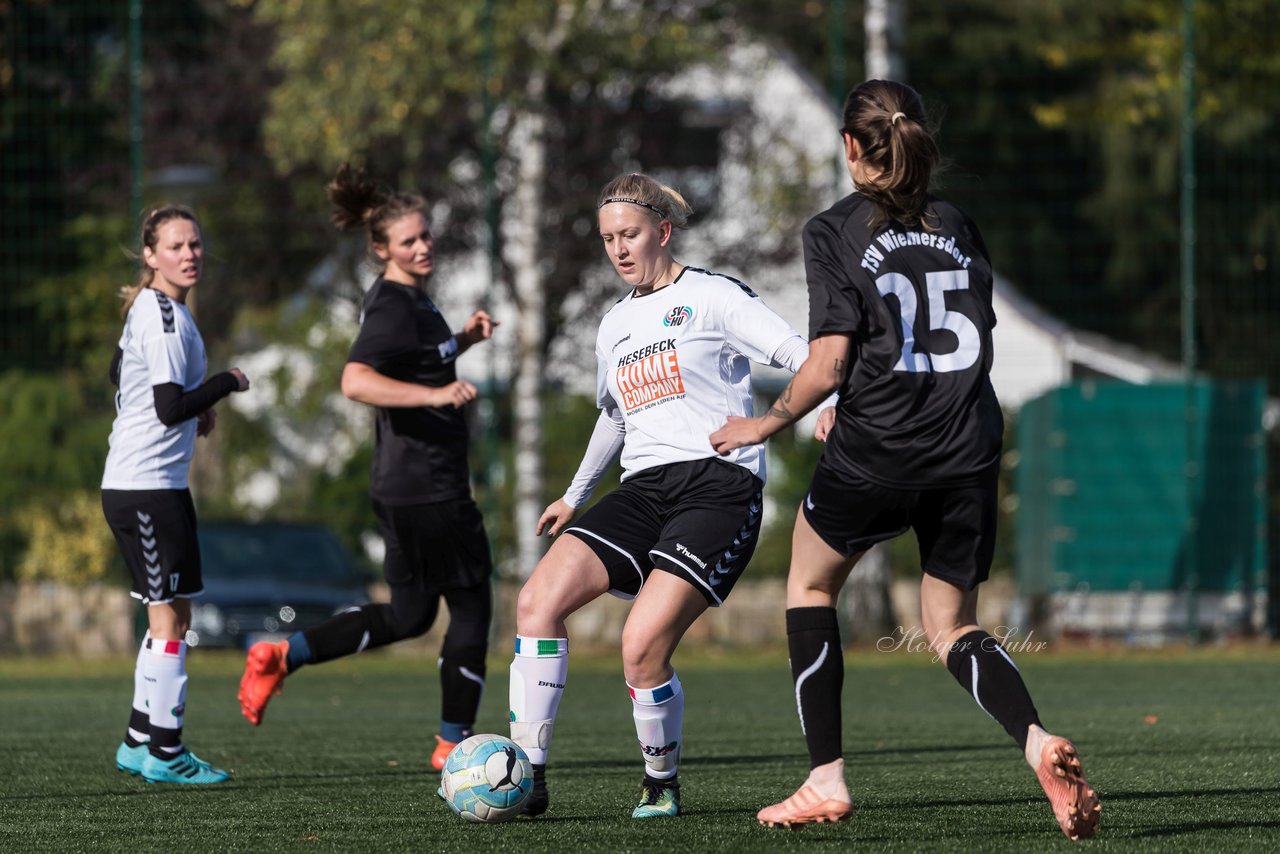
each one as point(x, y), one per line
point(524, 245)
point(885, 22)
point(522, 253)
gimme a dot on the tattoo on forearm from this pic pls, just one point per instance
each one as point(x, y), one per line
point(839, 367)
point(780, 408)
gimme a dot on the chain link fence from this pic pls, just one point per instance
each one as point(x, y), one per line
point(1062, 125)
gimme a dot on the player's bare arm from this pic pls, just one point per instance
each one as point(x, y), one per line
point(363, 384)
point(820, 375)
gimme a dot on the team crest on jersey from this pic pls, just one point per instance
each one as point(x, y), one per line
point(678, 315)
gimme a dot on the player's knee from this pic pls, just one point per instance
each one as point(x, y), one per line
point(538, 608)
point(412, 626)
point(411, 621)
point(528, 607)
point(805, 588)
point(644, 664)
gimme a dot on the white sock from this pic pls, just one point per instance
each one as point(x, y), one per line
point(659, 716)
point(538, 674)
point(140, 713)
point(165, 670)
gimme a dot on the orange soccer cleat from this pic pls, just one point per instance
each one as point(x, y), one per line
point(1075, 803)
point(441, 754)
point(264, 671)
point(806, 806)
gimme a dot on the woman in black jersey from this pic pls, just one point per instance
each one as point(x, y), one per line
point(403, 364)
point(900, 324)
point(162, 404)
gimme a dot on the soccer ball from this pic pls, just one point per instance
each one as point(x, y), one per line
point(486, 778)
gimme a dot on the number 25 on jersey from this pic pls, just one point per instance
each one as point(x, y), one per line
point(940, 317)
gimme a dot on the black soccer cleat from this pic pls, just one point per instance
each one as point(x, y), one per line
point(538, 801)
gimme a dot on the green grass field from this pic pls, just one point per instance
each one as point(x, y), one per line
point(1182, 747)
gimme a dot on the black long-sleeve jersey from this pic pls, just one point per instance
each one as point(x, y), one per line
point(917, 409)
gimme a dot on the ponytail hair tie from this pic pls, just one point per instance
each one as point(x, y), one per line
point(893, 120)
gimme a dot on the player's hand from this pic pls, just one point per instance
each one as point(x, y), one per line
point(241, 379)
point(205, 422)
point(737, 432)
point(456, 394)
point(826, 420)
point(554, 518)
point(479, 326)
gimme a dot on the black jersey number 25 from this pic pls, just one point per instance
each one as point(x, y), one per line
point(939, 316)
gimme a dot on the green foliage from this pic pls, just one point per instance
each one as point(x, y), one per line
point(355, 74)
point(60, 155)
point(54, 438)
point(68, 541)
point(403, 89)
point(1066, 150)
point(81, 309)
point(1127, 58)
point(356, 77)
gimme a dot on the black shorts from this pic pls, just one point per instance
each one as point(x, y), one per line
point(698, 520)
point(156, 532)
point(434, 547)
point(956, 526)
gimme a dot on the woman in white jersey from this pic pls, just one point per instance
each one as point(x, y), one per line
point(163, 402)
point(673, 359)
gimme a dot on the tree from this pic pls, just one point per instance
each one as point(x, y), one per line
point(60, 154)
point(886, 26)
point(400, 88)
point(1130, 55)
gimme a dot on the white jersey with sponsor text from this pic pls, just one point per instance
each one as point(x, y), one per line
point(675, 364)
point(160, 344)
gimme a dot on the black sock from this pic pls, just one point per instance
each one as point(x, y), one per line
point(984, 669)
point(462, 672)
point(817, 669)
point(350, 632)
point(138, 722)
point(165, 743)
point(672, 782)
point(538, 801)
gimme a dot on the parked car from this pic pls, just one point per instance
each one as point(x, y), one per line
point(264, 581)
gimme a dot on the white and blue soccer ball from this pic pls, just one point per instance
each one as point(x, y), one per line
point(486, 778)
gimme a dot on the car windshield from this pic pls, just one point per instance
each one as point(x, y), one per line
point(310, 555)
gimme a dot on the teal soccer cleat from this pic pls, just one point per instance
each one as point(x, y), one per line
point(186, 767)
point(658, 799)
point(131, 758)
